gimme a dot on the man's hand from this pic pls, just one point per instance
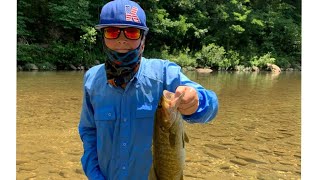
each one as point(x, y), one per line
point(190, 101)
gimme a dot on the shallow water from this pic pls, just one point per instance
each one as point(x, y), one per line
point(256, 134)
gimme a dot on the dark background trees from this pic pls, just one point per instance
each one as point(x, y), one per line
point(215, 33)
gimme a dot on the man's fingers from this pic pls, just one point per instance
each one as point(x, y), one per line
point(179, 91)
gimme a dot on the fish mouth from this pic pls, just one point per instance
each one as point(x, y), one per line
point(169, 108)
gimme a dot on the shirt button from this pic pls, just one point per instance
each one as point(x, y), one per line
point(124, 144)
point(109, 114)
point(123, 167)
point(125, 120)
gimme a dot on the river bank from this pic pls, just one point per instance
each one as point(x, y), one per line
point(71, 67)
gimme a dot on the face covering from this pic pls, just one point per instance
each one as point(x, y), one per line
point(121, 67)
point(124, 59)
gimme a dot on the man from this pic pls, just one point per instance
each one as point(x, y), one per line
point(122, 95)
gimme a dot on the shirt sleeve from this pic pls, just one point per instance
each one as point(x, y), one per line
point(87, 131)
point(208, 101)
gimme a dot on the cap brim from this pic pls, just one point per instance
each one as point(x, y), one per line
point(100, 26)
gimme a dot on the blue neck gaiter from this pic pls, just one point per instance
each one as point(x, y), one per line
point(121, 67)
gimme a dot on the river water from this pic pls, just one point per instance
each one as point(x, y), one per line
point(256, 134)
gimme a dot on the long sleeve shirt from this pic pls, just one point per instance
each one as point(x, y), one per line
point(116, 125)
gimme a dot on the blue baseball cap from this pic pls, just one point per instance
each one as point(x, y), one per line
point(122, 13)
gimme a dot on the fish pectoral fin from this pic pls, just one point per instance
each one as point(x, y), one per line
point(186, 138)
point(172, 140)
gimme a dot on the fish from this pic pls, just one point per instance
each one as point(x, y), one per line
point(169, 137)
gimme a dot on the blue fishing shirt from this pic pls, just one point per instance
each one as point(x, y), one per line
point(116, 125)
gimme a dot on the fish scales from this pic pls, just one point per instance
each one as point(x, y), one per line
point(168, 141)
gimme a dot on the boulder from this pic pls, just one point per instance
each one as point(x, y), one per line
point(72, 67)
point(80, 67)
point(255, 68)
point(274, 68)
point(19, 68)
point(30, 67)
point(203, 70)
point(239, 68)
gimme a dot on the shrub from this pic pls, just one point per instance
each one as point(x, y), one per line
point(29, 53)
point(262, 60)
point(211, 56)
point(65, 54)
point(232, 59)
point(183, 58)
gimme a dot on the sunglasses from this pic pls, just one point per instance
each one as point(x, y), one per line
point(129, 33)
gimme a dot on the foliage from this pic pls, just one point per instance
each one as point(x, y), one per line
point(70, 14)
point(219, 34)
point(262, 60)
point(65, 54)
point(211, 56)
point(89, 37)
point(88, 40)
point(232, 59)
point(183, 58)
point(30, 53)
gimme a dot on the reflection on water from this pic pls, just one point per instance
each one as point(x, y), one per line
point(256, 134)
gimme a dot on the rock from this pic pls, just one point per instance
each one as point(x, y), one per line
point(54, 171)
point(264, 149)
point(19, 68)
point(30, 66)
point(279, 152)
point(28, 168)
point(34, 67)
point(212, 153)
point(72, 67)
point(224, 166)
point(283, 168)
point(239, 68)
point(79, 171)
point(248, 69)
point(251, 157)
point(19, 161)
point(204, 70)
point(255, 68)
point(297, 67)
point(239, 162)
point(64, 174)
point(214, 146)
point(274, 68)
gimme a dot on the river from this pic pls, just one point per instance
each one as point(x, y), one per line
point(256, 134)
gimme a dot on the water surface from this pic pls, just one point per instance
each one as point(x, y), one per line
point(256, 134)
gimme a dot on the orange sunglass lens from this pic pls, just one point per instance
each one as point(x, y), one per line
point(111, 33)
point(132, 33)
